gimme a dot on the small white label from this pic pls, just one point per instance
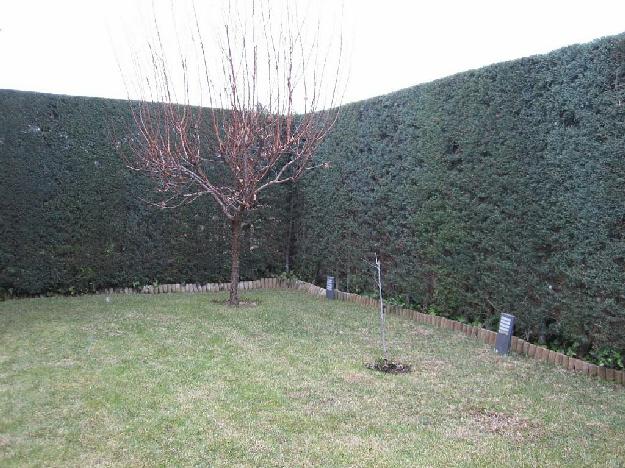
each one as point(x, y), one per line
point(504, 325)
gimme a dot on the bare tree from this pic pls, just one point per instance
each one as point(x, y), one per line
point(252, 135)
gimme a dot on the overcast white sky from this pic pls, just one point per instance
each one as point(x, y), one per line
point(70, 46)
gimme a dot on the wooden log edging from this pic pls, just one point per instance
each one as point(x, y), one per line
point(518, 345)
point(263, 283)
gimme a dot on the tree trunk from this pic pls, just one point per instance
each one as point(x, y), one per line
point(235, 252)
point(289, 237)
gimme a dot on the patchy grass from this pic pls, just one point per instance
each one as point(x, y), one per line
point(180, 379)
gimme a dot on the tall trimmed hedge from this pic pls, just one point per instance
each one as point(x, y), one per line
point(74, 218)
point(499, 189)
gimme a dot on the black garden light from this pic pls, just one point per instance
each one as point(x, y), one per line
point(330, 285)
point(504, 335)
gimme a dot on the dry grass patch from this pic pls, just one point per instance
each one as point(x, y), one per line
point(419, 330)
point(496, 422)
point(358, 377)
point(475, 424)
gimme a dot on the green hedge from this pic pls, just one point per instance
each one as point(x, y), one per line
point(499, 189)
point(73, 217)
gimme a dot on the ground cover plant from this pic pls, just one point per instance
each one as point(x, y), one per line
point(180, 378)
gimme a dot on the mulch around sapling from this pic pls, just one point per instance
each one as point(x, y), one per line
point(389, 366)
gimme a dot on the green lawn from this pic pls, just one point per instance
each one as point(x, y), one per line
point(180, 379)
